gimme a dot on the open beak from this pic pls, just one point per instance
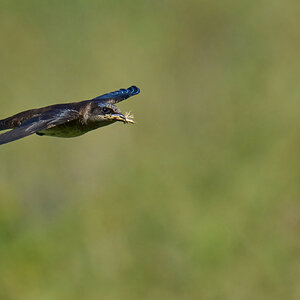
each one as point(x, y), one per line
point(127, 118)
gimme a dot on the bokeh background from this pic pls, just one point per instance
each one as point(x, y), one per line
point(200, 199)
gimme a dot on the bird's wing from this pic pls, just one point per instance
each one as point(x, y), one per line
point(119, 95)
point(40, 122)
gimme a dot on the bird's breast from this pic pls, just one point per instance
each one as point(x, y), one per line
point(72, 129)
point(58, 131)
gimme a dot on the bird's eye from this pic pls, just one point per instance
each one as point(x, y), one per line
point(105, 110)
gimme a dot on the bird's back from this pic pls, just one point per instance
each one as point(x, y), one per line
point(18, 119)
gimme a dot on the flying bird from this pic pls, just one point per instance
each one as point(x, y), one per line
point(68, 119)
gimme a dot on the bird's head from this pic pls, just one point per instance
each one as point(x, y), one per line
point(105, 110)
point(110, 113)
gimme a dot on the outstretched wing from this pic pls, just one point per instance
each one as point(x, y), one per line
point(40, 122)
point(120, 95)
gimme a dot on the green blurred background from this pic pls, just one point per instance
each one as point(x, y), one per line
point(200, 199)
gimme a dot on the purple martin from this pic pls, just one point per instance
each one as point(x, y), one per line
point(68, 119)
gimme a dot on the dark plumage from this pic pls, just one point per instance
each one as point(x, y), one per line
point(69, 119)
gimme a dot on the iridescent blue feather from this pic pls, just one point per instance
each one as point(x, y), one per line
point(119, 95)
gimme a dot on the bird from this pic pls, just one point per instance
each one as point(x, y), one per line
point(68, 120)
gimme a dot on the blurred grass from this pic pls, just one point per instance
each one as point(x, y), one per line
point(199, 200)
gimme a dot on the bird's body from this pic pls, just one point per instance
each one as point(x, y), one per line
point(68, 130)
point(69, 119)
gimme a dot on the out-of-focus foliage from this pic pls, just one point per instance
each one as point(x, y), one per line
point(199, 200)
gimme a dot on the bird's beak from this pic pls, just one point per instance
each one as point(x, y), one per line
point(127, 118)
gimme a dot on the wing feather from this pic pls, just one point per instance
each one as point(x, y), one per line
point(40, 122)
point(119, 95)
